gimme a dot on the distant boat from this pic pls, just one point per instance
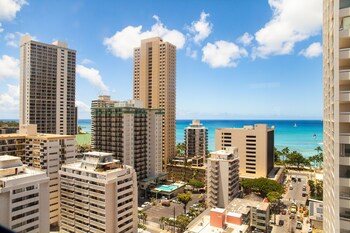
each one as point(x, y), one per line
point(295, 125)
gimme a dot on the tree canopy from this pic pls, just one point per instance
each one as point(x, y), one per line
point(197, 184)
point(9, 124)
point(262, 185)
point(184, 198)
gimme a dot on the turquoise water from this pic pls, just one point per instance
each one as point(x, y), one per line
point(167, 188)
point(304, 138)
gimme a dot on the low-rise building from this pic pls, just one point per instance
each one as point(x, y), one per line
point(222, 177)
point(98, 194)
point(45, 152)
point(316, 213)
point(240, 216)
point(24, 197)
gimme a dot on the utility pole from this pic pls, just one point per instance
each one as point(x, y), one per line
point(174, 221)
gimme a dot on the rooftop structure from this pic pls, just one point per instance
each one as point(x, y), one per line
point(98, 194)
point(24, 196)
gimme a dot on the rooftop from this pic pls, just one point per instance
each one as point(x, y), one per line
point(242, 206)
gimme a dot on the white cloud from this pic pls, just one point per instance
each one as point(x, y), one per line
point(222, 54)
point(13, 39)
point(201, 28)
point(191, 53)
point(245, 39)
point(94, 78)
point(9, 67)
point(290, 24)
point(82, 107)
point(9, 101)
point(87, 61)
point(9, 8)
point(314, 50)
point(123, 42)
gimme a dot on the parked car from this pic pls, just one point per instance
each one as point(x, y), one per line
point(281, 223)
point(304, 188)
point(299, 179)
point(310, 230)
point(304, 195)
point(290, 187)
point(165, 203)
point(299, 225)
point(284, 212)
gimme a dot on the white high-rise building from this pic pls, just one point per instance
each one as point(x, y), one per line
point(47, 86)
point(98, 194)
point(222, 177)
point(336, 124)
point(24, 197)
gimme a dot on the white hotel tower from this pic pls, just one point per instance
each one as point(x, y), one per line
point(336, 71)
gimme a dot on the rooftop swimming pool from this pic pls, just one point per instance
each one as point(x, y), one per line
point(166, 188)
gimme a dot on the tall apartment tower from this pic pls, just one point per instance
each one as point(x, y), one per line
point(24, 196)
point(196, 140)
point(155, 85)
point(222, 177)
point(46, 152)
point(255, 148)
point(98, 194)
point(129, 131)
point(47, 86)
point(336, 124)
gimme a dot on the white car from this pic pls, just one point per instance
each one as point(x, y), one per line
point(310, 230)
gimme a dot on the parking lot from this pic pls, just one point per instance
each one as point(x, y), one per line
point(157, 211)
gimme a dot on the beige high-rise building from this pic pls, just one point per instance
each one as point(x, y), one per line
point(196, 140)
point(336, 124)
point(47, 86)
point(155, 85)
point(222, 177)
point(129, 131)
point(45, 152)
point(255, 148)
point(98, 194)
point(24, 197)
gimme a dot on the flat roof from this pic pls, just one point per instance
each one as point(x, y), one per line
point(37, 136)
point(242, 206)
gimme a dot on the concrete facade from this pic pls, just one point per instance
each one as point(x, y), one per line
point(98, 194)
point(336, 122)
point(222, 177)
point(155, 85)
point(255, 148)
point(24, 197)
point(47, 86)
point(45, 152)
point(196, 140)
point(129, 131)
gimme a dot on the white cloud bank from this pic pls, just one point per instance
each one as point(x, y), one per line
point(222, 54)
point(82, 107)
point(201, 28)
point(9, 9)
point(9, 67)
point(314, 50)
point(293, 21)
point(9, 101)
point(94, 78)
point(123, 42)
point(13, 39)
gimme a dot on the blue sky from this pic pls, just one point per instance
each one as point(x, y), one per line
point(235, 59)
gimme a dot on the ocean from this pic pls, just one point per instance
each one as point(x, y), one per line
point(300, 135)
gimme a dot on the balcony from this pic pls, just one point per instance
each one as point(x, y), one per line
point(344, 117)
point(345, 138)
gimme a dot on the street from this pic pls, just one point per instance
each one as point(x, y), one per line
point(293, 195)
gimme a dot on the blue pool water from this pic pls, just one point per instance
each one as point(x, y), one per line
point(167, 188)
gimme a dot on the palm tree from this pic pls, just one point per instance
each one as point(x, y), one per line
point(285, 152)
point(162, 221)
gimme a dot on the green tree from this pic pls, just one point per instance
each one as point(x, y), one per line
point(319, 190)
point(262, 185)
point(184, 198)
point(296, 159)
point(9, 124)
point(285, 152)
point(196, 184)
point(141, 226)
point(277, 155)
point(312, 186)
point(162, 221)
point(182, 221)
point(180, 149)
point(274, 198)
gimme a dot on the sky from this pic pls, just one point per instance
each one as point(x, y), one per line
point(242, 59)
